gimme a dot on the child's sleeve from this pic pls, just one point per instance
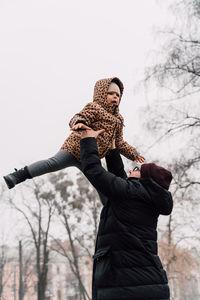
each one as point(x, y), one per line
point(86, 116)
point(124, 148)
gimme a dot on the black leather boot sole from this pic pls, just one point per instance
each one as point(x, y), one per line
point(16, 177)
point(9, 181)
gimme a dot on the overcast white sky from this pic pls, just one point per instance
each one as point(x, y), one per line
point(51, 54)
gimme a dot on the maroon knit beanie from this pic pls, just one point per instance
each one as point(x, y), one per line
point(159, 174)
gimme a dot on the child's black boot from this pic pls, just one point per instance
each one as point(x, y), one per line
point(17, 177)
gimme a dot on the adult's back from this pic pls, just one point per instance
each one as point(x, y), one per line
point(126, 262)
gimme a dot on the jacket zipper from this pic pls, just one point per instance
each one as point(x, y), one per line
point(113, 131)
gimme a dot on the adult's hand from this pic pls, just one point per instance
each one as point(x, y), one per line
point(80, 126)
point(89, 132)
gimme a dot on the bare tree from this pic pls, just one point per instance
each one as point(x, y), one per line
point(174, 119)
point(26, 262)
point(179, 69)
point(181, 268)
point(38, 211)
point(177, 76)
point(79, 214)
point(5, 257)
point(4, 274)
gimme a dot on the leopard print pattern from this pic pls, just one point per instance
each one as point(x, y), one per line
point(99, 115)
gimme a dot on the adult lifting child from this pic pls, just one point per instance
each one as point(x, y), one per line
point(102, 113)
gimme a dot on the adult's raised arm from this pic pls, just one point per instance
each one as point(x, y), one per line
point(115, 164)
point(105, 182)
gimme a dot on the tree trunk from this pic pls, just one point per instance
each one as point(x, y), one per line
point(21, 286)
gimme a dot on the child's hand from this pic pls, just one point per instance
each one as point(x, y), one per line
point(140, 159)
point(80, 127)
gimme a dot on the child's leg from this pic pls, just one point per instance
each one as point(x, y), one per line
point(59, 161)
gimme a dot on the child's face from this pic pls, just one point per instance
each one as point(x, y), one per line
point(113, 97)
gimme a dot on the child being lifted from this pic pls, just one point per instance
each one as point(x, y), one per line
point(102, 113)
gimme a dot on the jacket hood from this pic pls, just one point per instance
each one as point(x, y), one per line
point(161, 197)
point(100, 93)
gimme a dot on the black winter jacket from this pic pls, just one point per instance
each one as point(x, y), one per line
point(126, 264)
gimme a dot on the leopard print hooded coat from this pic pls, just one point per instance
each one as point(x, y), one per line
point(99, 114)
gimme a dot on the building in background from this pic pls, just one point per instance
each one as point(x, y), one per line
point(62, 282)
